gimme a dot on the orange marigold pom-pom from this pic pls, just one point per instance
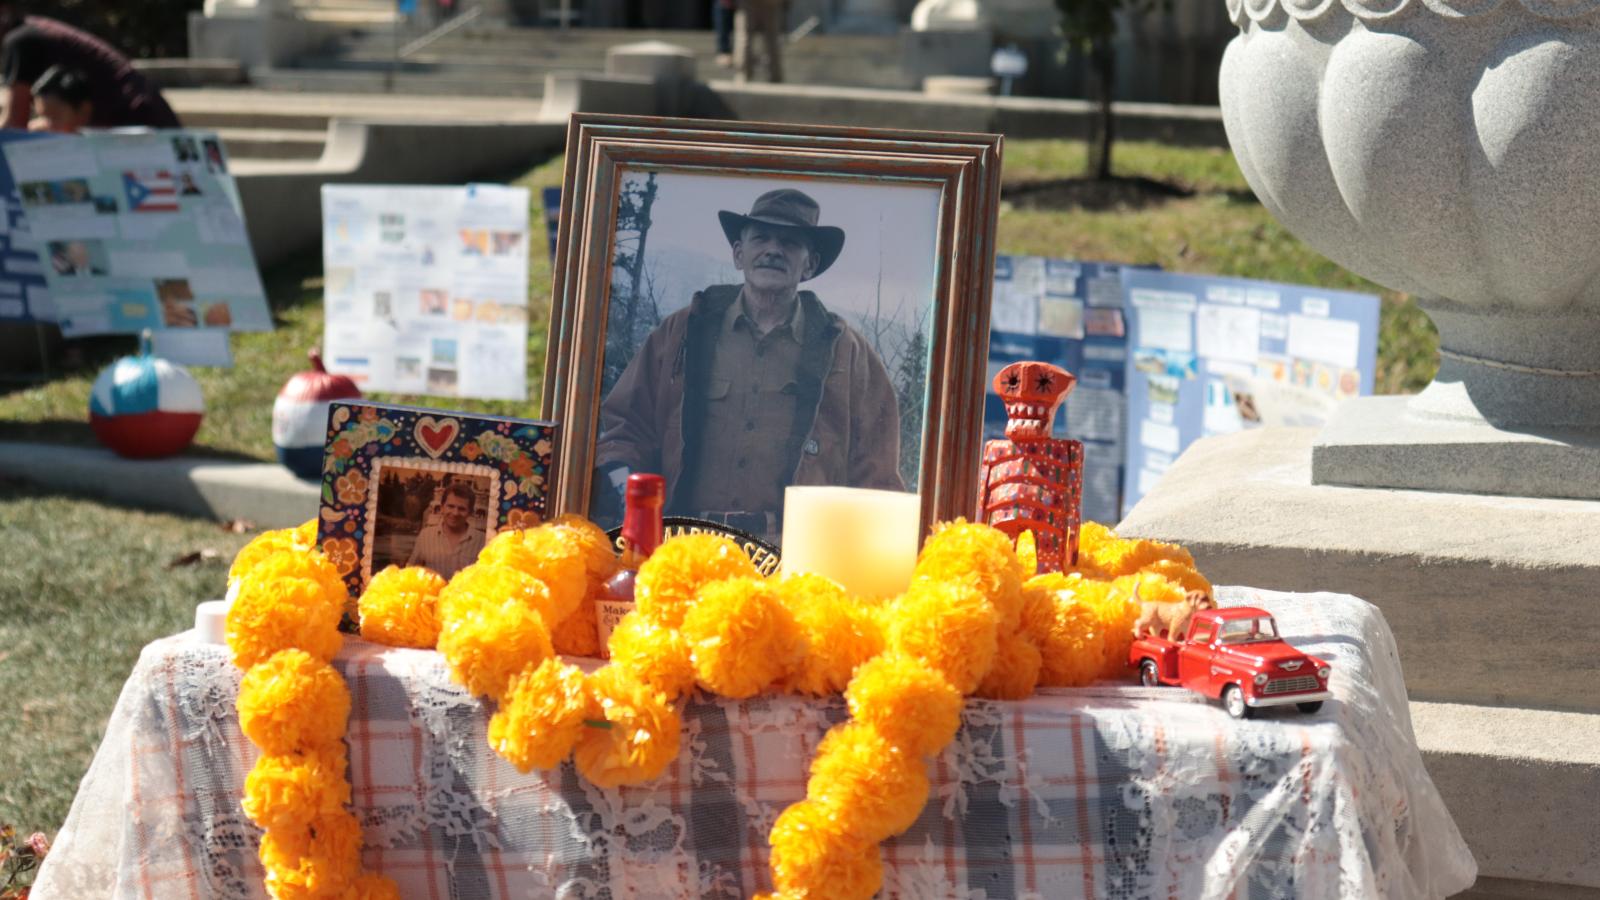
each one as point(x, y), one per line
point(400, 607)
point(318, 860)
point(1028, 553)
point(579, 633)
point(552, 555)
point(489, 584)
point(978, 555)
point(1185, 576)
point(599, 557)
point(632, 735)
point(487, 645)
point(1124, 556)
point(1067, 630)
point(949, 626)
point(872, 788)
point(658, 657)
point(293, 701)
point(276, 612)
point(291, 789)
point(540, 716)
point(811, 855)
point(270, 543)
point(1015, 672)
point(840, 633)
point(907, 702)
point(672, 577)
point(741, 639)
point(371, 886)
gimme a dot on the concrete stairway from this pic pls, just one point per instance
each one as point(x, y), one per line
point(513, 61)
point(260, 125)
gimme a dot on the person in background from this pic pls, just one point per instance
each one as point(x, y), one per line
point(118, 95)
point(763, 19)
point(61, 101)
point(722, 20)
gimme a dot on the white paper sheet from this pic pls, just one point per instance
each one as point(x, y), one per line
point(1333, 341)
point(193, 348)
point(1228, 332)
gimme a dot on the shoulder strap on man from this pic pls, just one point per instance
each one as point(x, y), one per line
point(706, 312)
point(822, 330)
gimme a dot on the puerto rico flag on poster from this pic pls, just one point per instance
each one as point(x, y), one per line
point(151, 191)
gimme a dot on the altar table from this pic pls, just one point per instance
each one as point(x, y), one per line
point(1111, 791)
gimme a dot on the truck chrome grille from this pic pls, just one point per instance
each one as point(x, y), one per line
point(1290, 685)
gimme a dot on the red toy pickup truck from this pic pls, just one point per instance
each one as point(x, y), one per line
point(1235, 654)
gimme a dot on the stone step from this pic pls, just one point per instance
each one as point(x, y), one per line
point(210, 116)
point(272, 143)
point(258, 108)
point(356, 81)
point(1521, 785)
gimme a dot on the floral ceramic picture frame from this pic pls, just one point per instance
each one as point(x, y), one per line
point(396, 478)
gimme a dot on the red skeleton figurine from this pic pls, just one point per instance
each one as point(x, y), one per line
point(1030, 480)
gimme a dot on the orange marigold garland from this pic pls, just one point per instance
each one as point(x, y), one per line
point(282, 628)
point(975, 620)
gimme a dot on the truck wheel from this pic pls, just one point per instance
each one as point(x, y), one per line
point(1233, 702)
point(1149, 675)
point(1311, 707)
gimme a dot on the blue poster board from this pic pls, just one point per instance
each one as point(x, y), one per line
point(23, 295)
point(1211, 355)
point(1069, 314)
point(552, 216)
point(139, 229)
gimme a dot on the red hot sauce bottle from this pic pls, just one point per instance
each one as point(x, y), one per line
point(641, 535)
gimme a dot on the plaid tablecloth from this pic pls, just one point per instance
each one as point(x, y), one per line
point(1112, 791)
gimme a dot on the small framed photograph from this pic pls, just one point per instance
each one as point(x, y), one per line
point(406, 486)
point(742, 307)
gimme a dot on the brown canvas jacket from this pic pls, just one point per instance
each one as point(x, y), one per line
point(847, 421)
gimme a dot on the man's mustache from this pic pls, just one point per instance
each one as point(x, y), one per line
point(773, 262)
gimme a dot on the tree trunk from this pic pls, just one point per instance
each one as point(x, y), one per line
point(1103, 73)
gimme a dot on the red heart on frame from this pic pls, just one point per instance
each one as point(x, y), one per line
point(435, 436)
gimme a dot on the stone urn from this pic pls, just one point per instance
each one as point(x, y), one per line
point(1449, 149)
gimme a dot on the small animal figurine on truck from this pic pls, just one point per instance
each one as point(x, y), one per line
point(1234, 654)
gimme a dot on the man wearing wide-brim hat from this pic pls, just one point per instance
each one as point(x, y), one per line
point(755, 387)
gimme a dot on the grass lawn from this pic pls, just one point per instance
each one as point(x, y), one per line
point(83, 586)
point(1220, 229)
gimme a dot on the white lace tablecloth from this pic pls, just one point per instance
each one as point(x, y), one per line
point(1112, 791)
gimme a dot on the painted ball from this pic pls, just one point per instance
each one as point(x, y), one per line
point(300, 416)
point(145, 407)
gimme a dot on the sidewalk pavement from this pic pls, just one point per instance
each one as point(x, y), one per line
point(265, 494)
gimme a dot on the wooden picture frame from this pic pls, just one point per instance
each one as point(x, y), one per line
point(964, 170)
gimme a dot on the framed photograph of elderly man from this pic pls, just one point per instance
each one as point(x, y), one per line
point(742, 308)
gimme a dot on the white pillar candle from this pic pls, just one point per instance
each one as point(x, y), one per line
point(865, 540)
point(211, 621)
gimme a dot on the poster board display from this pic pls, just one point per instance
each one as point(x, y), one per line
point(139, 229)
point(426, 288)
point(24, 297)
point(1212, 355)
point(1069, 314)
